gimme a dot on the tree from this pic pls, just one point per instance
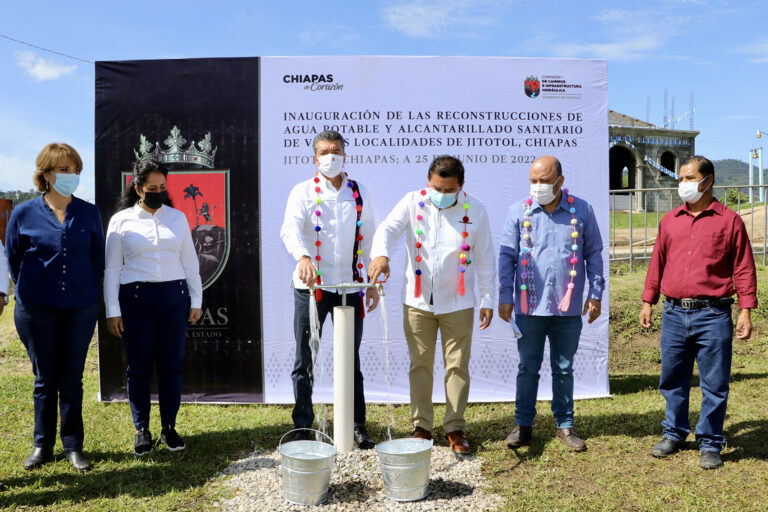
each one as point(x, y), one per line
point(19, 196)
point(192, 191)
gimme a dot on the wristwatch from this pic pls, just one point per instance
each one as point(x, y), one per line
point(5, 298)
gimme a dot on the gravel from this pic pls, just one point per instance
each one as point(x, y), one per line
point(456, 484)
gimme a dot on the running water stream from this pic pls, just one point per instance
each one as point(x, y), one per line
point(321, 408)
point(314, 347)
point(385, 343)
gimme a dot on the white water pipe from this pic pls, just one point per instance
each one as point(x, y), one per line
point(344, 366)
point(343, 377)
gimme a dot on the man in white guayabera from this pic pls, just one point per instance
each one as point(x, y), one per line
point(449, 244)
point(328, 228)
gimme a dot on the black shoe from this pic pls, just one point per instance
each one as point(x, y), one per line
point(520, 436)
point(301, 434)
point(362, 440)
point(142, 444)
point(78, 460)
point(710, 460)
point(666, 447)
point(170, 438)
point(38, 457)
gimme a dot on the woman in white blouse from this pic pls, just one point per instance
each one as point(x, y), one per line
point(152, 290)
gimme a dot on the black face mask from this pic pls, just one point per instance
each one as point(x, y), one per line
point(155, 200)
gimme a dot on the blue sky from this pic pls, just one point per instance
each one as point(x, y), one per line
point(718, 49)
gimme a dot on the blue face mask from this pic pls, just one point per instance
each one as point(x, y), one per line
point(66, 183)
point(442, 200)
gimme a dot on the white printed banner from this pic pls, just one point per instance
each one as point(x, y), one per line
point(397, 113)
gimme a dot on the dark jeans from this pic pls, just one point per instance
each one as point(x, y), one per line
point(155, 321)
point(303, 375)
point(703, 335)
point(563, 333)
point(57, 343)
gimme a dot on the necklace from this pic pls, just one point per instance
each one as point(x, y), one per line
point(463, 255)
point(357, 252)
point(527, 289)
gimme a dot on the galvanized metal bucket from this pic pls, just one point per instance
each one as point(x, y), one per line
point(405, 467)
point(306, 468)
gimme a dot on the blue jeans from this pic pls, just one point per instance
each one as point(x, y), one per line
point(564, 333)
point(57, 343)
point(704, 335)
point(303, 373)
point(155, 332)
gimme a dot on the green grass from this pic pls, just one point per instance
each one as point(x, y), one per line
point(616, 473)
point(621, 219)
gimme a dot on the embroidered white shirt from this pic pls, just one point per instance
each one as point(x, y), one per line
point(441, 246)
point(338, 222)
point(149, 248)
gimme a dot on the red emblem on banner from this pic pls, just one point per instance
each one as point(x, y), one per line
point(203, 196)
point(532, 86)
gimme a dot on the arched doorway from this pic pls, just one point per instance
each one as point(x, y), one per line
point(669, 160)
point(622, 168)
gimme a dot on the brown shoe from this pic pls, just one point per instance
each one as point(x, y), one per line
point(458, 442)
point(520, 436)
point(421, 433)
point(570, 439)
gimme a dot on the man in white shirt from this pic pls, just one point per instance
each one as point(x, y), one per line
point(3, 278)
point(328, 229)
point(449, 242)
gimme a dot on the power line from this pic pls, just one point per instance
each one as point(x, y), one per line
point(45, 49)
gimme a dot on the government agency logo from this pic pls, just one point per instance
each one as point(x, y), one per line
point(314, 82)
point(532, 86)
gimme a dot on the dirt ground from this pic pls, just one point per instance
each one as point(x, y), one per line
point(755, 223)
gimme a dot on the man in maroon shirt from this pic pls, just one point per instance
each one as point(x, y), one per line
point(701, 258)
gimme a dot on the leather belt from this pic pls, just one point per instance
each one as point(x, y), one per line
point(701, 303)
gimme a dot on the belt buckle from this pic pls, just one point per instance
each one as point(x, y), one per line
point(689, 303)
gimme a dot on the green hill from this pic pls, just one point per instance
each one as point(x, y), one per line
point(18, 196)
point(732, 172)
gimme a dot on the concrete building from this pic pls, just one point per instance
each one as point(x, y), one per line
point(643, 155)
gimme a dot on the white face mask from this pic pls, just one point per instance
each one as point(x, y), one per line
point(689, 191)
point(543, 193)
point(330, 165)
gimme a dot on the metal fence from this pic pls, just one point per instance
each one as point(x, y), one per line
point(633, 241)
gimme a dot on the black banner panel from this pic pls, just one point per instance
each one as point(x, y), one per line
point(200, 117)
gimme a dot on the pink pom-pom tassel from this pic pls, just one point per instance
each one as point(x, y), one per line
point(417, 287)
point(565, 304)
point(524, 302)
point(461, 283)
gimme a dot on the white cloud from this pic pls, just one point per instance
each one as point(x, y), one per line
point(629, 34)
point(336, 35)
point(432, 18)
point(16, 172)
point(632, 48)
point(759, 51)
point(20, 143)
point(41, 69)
